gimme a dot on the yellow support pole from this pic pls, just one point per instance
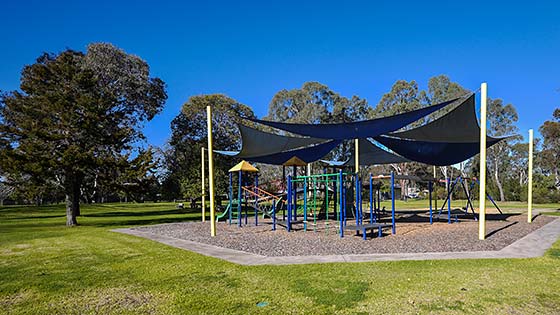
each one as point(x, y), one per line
point(211, 172)
point(203, 190)
point(530, 180)
point(357, 155)
point(482, 186)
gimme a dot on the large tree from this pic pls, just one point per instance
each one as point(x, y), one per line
point(403, 97)
point(189, 135)
point(76, 113)
point(502, 119)
point(550, 154)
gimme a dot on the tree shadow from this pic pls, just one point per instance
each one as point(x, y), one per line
point(142, 222)
point(139, 213)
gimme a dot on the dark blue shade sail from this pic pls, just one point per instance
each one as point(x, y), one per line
point(356, 130)
point(434, 153)
point(258, 143)
point(308, 155)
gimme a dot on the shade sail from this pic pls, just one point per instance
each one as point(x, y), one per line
point(434, 153)
point(370, 154)
point(355, 130)
point(460, 125)
point(450, 139)
point(258, 143)
point(307, 155)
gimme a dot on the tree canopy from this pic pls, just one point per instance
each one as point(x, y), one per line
point(76, 113)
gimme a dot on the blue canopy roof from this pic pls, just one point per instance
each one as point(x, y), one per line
point(356, 130)
point(308, 155)
point(435, 153)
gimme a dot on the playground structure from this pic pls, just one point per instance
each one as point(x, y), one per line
point(425, 144)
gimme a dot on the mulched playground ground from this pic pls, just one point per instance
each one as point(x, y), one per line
point(414, 235)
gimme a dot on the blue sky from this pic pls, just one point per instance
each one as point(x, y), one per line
point(251, 50)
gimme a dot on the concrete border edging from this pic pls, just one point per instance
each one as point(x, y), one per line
point(532, 245)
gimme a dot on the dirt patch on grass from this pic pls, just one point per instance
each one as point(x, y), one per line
point(109, 301)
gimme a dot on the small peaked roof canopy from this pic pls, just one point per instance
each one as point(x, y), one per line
point(294, 161)
point(243, 166)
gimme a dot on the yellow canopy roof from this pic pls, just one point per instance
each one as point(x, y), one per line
point(243, 166)
point(294, 161)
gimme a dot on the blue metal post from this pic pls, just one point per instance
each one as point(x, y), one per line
point(289, 217)
point(274, 215)
point(448, 201)
point(344, 203)
point(239, 200)
point(370, 198)
point(341, 213)
point(394, 228)
point(356, 199)
point(430, 197)
point(230, 197)
point(294, 191)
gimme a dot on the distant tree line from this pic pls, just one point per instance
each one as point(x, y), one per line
point(73, 133)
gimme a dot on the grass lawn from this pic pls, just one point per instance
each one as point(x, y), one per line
point(46, 268)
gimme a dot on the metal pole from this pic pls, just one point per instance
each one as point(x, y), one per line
point(230, 196)
point(430, 197)
point(482, 186)
point(357, 156)
point(394, 228)
point(289, 217)
point(341, 205)
point(211, 172)
point(370, 198)
point(530, 180)
point(448, 200)
point(203, 197)
point(239, 200)
point(257, 199)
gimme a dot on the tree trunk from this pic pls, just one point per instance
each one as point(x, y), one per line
point(403, 189)
point(73, 201)
point(70, 216)
point(498, 183)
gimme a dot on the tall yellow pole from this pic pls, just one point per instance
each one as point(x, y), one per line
point(482, 186)
point(203, 190)
point(357, 155)
point(211, 172)
point(530, 180)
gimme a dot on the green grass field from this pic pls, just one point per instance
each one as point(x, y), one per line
point(46, 268)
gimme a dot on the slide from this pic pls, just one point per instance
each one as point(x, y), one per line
point(223, 214)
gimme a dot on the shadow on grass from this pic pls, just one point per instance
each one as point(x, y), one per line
point(139, 213)
point(35, 217)
point(141, 222)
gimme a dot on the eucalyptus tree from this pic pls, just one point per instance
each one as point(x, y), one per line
point(550, 154)
point(502, 119)
point(182, 159)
